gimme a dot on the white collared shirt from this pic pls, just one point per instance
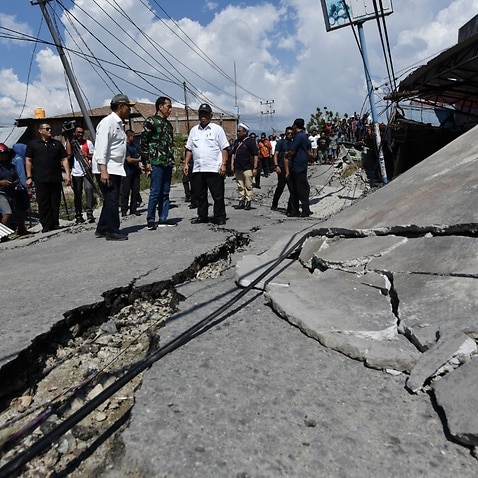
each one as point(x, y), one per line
point(206, 145)
point(110, 146)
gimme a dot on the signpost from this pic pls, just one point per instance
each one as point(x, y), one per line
point(342, 13)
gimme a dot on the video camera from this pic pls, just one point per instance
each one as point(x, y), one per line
point(69, 126)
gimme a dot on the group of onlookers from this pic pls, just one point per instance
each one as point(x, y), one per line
point(114, 164)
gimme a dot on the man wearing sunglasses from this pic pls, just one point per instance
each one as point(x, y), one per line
point(43, 160)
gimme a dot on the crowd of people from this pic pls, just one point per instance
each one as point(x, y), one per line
point(113, 165)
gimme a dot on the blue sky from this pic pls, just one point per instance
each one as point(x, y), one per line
point(281, 51)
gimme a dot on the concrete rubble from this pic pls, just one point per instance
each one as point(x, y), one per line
point(392, 281)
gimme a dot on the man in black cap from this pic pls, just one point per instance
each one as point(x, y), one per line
point(207, 145)
point(295, 162)
point(108, 161)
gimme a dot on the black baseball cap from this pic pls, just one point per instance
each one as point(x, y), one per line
point(205, 107)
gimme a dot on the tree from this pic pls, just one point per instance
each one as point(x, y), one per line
point(320, 118)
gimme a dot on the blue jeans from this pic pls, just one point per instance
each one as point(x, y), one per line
point(159, 192)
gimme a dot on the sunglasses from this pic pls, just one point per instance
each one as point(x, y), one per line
point(47, 129)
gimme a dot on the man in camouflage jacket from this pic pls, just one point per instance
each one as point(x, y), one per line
point(157, 150)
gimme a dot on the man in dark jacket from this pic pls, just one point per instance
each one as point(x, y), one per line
point(43, 160)
point(296, 160)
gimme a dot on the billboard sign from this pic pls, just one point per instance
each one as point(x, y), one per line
point(341, 13)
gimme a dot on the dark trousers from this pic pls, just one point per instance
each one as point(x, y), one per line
point(299, 192)
point(215, 183)
point(281, 182)
point(78, 183)
point(49, 199)
point(109, 221)
point(266, 165)
point(130, 192)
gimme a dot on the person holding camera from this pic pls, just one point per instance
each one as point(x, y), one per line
point(43, 160)
point(81, 175)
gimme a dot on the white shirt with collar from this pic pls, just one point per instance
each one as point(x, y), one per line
point(110, 146)
point(206, 145)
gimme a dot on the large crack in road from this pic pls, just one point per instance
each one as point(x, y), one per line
point(78, 359)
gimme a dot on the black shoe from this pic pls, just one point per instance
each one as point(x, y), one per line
point(151, 226)
point(91, 219)
point(99, 235)
point(306, 214)
point(193, 206)
point(273, 208)
point(219, 221)
point(199, 220)
point(79, 220)
point(124, 214)
point(241, 204)
point(247, 207)
point(136, 213)
point(292, 214)
point(116, 237)
point(167, 223)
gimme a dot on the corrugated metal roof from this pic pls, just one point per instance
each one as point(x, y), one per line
point(9, 135)
point(5, 231)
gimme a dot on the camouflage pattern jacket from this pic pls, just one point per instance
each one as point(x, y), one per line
point(157, 141)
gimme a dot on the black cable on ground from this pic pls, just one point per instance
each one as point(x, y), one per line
point(15, 464)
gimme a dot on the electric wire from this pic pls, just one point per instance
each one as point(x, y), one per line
point(382, 41)
point(200, 50)
point(115, 55)
point(25, 98)
point(177, 81)
point(16, 463)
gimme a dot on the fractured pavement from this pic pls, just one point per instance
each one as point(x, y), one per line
point(392, 281)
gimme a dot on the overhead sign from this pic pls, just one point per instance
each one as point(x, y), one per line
point(341, 13)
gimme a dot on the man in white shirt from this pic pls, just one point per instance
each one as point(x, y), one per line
point(207, 146)
point(108, 160)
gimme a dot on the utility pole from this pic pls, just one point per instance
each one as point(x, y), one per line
point(186, 106)
point(373, 108)
point(268, 110)
point(69, 72)
point(236, 105)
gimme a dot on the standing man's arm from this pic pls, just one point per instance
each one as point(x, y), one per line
point(101, 152)
point(66, 167)
point(187, 159)
point(28, 171)
point(223, 168)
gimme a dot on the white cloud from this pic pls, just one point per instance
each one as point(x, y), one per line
point(13, 30)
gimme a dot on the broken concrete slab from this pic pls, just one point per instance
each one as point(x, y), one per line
point(309, 248)
point(445, 255)
point(343, 313)
point(457, 395)
point(429, 303)
point(439, 355)
point(432, 193)
point(355, 252)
